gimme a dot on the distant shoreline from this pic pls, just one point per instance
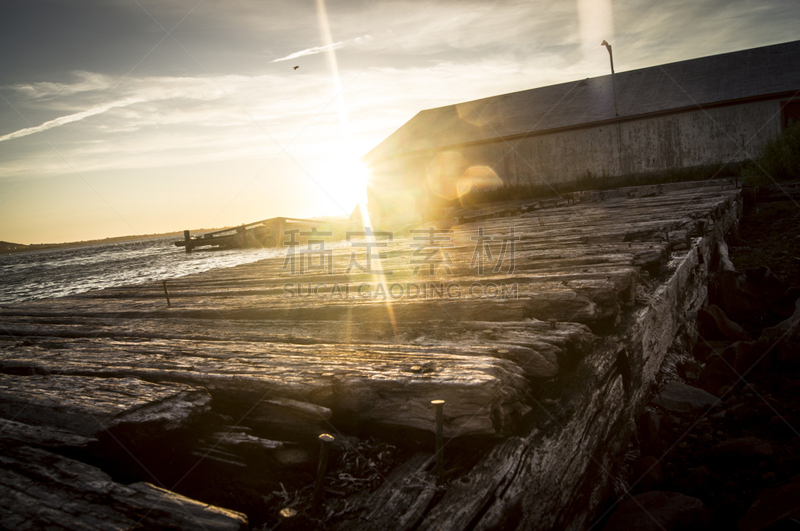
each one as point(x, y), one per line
point(10, 248)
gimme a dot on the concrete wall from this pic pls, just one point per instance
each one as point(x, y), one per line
point(422, 181)
point(681, 140)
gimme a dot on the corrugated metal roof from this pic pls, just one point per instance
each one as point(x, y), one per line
point(705, 81)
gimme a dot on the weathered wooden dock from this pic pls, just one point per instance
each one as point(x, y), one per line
point(551, 351)
point(263, 233)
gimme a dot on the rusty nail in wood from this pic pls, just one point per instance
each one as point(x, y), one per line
point(326, 440)
point(439, 405)
point(553, 323)
point(164, 283)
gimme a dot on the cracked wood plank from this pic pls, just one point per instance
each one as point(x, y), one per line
point(88, 406)
point(374, 383)
point(43, 490)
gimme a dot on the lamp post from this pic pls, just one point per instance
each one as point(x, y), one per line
point(613, 83)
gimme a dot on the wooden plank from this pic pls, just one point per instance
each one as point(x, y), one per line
point(374, 384)
point(43, 490)
point(400, 502)
point(15, 432)
point(87, 405)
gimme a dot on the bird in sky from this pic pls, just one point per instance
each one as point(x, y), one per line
point(295, 67)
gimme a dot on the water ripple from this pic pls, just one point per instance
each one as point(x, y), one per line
point(61, 272)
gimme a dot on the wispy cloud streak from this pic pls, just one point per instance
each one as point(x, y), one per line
point(62, 120)
point(320, 49)
point(87, 82)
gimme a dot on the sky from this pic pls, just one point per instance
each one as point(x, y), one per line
point(122, 117)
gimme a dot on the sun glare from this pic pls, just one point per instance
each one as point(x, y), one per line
point(354, 180)
point(347, 181)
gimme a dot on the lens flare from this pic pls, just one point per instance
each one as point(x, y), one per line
point(443, 173)
point(349, 173)
point(378, 265)
point(478, 179)
point(595, 23)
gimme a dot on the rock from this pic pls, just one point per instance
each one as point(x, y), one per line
point(728, 286)
point(729, 291)
point(696, 482)
point(736, 361)
point(649, 427)
point(718, 374)
point(689, 369)
point(773, 505)
point(713, 324)
point(785, 330)
point(780, 426)
point(764, 284)
point(701, 476)
point(657, 510)
point(751, 291)
point(743, 448)
point(748, 412)
point(750, 355)
point(681, 398)
point(703, 349)
point(725, 264)
point(785, 304)
point(646, 472)
point(788, 353)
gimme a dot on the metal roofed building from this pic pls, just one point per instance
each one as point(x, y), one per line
point(688, 114)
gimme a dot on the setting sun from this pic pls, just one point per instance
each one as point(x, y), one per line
point(349, 177)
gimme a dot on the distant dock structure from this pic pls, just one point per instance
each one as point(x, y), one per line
point(264, 233)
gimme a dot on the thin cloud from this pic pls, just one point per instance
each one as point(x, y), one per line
point(70, 118)
point(320, 49)
point(87, 82)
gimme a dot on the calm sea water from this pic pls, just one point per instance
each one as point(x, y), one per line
point(60, 272)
